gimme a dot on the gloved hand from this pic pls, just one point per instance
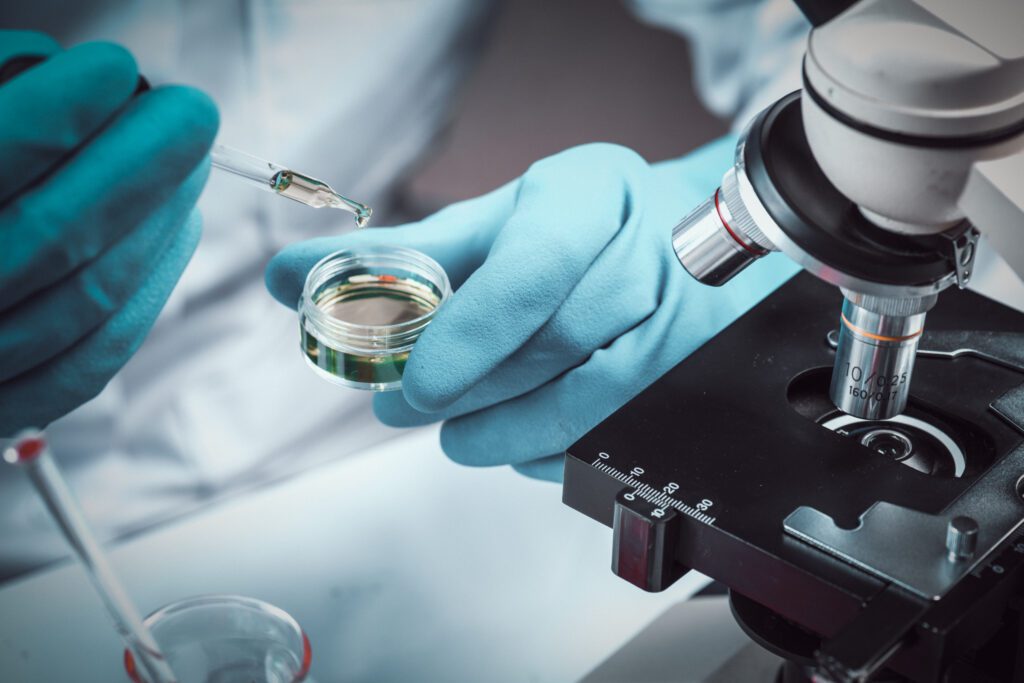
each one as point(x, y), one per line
point(97, 190)
point(570, 301)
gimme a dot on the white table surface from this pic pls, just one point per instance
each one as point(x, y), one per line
point(400, 565)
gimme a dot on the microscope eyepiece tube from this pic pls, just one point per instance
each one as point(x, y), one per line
point(878, 338)
point(719, 238)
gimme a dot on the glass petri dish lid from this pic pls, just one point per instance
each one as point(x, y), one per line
point(362, 310)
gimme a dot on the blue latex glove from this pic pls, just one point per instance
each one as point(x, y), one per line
point(97, 221)
point(570, 301)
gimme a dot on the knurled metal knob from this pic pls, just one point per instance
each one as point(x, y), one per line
point(719, 238)
point(961, 538)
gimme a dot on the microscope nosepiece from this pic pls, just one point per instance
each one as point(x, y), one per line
point(878, 338)
point(719, 238)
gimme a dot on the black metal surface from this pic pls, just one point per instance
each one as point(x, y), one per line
point(907, 547)
point(865, 645)
point(775, 634)
point(1010, 407)
point(822, 221)
point(724, 432)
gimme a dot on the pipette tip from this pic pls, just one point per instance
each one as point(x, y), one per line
point(360, 211)
point(363, 217)
point(25, 447)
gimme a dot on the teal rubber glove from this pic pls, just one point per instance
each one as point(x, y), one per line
point(97, 221)
point(569, 301)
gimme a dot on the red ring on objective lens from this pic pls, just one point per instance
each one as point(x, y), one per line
point(728, 229)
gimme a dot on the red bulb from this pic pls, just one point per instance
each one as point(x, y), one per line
point(29, 448)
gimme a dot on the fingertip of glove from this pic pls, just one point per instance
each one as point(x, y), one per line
point(195, 115)
point(284, 278)
point(610, 149)
point(15, 43)
point(193, 229)
point(387, 409)
point(454, 445)
point(393, 411)
point(424, 388)
point(546, 469)
point(113, 65)
point(598, 155)
point(285, 274)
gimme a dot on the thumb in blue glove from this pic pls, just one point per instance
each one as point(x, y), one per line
point(570, 301)
point(97, 218)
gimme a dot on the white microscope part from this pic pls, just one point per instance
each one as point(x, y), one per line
point(920, 92)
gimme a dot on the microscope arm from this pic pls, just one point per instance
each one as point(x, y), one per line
point(993, 200)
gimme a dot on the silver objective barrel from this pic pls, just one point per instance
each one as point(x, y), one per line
point(719, 238)
point(878, 338)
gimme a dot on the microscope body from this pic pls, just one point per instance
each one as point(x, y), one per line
point(857, 483)
point(913, 116)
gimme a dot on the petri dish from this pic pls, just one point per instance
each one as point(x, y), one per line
point(362, 310)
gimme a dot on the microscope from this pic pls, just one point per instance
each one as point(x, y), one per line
point(855, 481)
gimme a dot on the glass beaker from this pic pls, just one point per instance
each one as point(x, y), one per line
point(227, 639)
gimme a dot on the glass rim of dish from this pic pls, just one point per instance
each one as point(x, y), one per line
point(337, 263)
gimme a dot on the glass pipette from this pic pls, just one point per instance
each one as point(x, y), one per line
point(288, 183)
point(30, 451)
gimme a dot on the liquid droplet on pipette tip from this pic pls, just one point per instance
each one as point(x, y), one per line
point(25, 447)
point(361, 212)
point(363, 217)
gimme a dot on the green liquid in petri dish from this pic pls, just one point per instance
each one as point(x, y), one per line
point(374, 301)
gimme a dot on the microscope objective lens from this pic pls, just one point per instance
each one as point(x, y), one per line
point(875, 353)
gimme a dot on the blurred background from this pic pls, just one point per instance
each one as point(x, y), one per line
point(558, 74)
